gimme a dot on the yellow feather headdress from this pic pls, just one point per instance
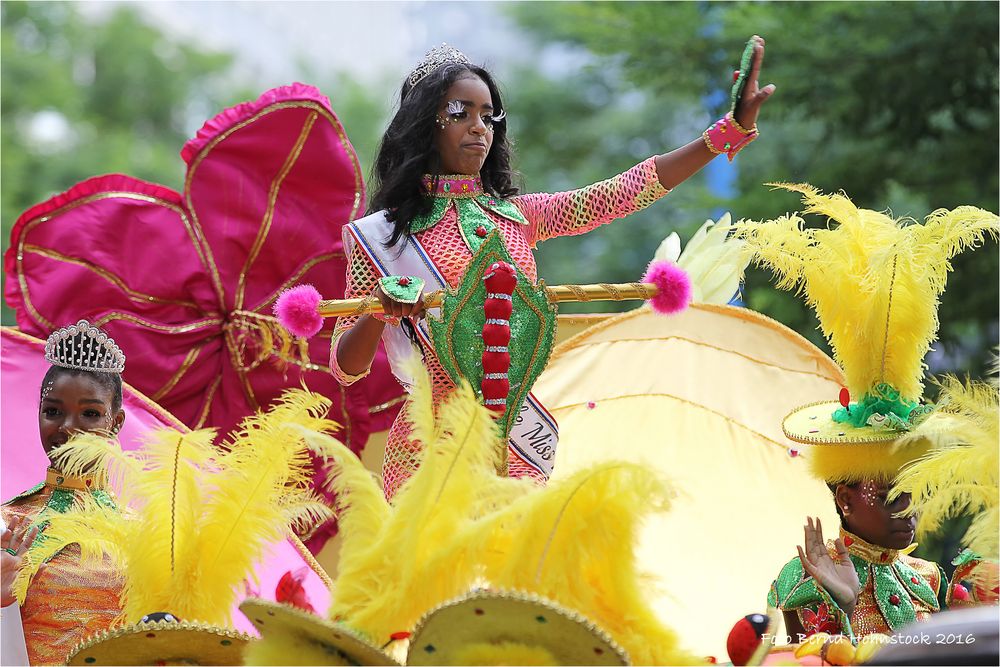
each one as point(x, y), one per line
point(194, 518)
point(961, 472)
point(875, 284)
point(455, 527)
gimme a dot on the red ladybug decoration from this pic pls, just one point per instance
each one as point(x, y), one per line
point(745, 638)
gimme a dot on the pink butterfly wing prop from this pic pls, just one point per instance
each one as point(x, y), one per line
point(121, 253)
point(186, 282)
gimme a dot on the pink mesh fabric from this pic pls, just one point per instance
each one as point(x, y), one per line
point(548, 216)
point(579, 211)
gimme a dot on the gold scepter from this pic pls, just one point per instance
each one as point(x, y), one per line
point(666, 286)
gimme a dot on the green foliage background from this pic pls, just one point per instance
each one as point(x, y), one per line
point(893, 102)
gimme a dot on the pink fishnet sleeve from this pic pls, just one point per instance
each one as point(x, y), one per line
point(579, 211)
point(361, 280)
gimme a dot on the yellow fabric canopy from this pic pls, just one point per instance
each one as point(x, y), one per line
point(700, 396)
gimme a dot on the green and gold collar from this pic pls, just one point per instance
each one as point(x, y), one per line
point(869, 552)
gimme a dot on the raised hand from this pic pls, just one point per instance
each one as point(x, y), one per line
point(13, 544)
point(838, 577)
point(753, 95)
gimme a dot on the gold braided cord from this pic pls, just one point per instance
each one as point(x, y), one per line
point(255, 338)
point(578, 292)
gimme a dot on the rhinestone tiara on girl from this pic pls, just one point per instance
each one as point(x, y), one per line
point(436, 57)
point(84, 347)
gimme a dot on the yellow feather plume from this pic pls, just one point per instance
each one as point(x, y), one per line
point(194, 520)
point(456, 524)
point(574, 542)
point(260, 487)
point(412, 535)
point(960, 473)
point(874, 282)
point(90, 454)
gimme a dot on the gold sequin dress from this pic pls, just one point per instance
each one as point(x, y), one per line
point(66, 601)
point(896, 590)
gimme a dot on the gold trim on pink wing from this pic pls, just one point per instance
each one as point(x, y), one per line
point(206, 406)
point(104, 273)
point(295, 278)
point(134, 319)
point(272, 200)
point(115, 194)
point(209, 258)
point(189, 360)
point(375, 409)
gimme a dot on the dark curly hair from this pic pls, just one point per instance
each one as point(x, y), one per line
point(407, 150)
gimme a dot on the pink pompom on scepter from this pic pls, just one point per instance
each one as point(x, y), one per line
point(673, 287)
point(297, 309)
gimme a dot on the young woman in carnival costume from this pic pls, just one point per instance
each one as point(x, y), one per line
point(68, 599)
point(443, 187)
point(76, 568)
point(874, 283)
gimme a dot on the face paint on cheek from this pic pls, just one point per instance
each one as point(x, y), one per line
point(869, 493)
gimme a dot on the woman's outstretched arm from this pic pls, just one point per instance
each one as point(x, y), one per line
point(678, 165)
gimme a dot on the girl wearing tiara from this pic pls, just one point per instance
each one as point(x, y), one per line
point(442, 184)
point(67, 601)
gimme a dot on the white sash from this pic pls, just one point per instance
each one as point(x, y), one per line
point(534, 436)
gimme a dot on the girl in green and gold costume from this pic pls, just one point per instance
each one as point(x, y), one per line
point(874, 283)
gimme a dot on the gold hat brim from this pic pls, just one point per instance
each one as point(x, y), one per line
point(496, 618)
point(281, 619)
point(163, 642)
point(841, 453)
point(813, 425)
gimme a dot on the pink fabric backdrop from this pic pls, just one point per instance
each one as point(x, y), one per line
point(22, 366)
point(183, 281)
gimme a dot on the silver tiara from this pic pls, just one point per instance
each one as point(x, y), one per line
point(84, 347)
point(436, 57)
